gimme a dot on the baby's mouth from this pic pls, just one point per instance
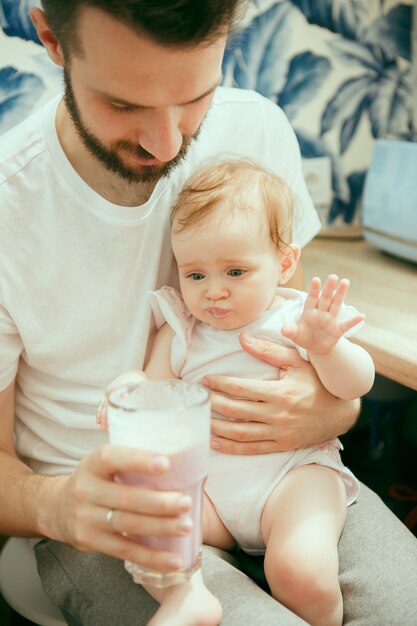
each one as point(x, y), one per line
point(217, 312)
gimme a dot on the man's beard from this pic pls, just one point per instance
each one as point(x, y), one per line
point(110, 158)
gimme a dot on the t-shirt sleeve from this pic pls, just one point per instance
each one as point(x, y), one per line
point(283, 154)
point(168, 307)
point(10, 348)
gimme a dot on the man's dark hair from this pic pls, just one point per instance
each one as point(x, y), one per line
point(169, 22)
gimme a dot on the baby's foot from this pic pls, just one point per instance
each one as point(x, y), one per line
point(188, 604)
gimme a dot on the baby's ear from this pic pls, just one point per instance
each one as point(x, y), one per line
point(288, 258)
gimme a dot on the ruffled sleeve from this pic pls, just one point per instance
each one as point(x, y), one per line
point(168, 307)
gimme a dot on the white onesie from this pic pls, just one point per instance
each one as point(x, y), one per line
point(239, 485)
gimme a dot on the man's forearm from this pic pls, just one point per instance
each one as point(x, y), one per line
point(28, 500)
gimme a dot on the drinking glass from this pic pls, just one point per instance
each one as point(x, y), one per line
point(170, 418)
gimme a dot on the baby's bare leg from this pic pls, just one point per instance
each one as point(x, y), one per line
point(191, 603)
point(215, 532)
point(301, 525)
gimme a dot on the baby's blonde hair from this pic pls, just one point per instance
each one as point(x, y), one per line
point(237, 184)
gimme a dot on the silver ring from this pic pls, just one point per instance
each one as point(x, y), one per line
point(109, 518)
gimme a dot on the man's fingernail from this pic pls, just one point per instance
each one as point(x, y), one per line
point(185, 525)
point(215, 444)
point(185, 503)
point(175, 562)
point(204, 381)
point(249, 339)
point(160, 463)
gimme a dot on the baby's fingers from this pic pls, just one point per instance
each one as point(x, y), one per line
point(350, 323)
point(313, 294)
point(130, 377)
point(326, 297)
point(101, 414)
point(339, 297)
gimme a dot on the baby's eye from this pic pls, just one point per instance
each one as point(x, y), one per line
point(235, 272)
point(196, 276)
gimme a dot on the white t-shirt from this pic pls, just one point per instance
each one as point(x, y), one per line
point(75, 269)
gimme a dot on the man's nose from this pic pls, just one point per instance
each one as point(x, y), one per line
point(161, 135)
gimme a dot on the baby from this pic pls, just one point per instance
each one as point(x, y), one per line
point(231, 238)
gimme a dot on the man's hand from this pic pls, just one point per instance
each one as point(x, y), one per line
point(293, 412)
point(82, 502)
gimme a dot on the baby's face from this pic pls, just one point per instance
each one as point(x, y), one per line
point(228, 270)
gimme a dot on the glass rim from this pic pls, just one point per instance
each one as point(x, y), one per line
point(131, 386)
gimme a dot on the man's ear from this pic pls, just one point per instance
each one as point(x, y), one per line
point(288, 262)
point(47, 36)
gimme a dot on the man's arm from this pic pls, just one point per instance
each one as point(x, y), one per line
point(73, 508)
point(23, 494)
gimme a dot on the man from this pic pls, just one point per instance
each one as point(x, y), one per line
point(86, 188)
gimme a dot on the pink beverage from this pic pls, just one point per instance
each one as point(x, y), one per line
point(187, 474)
point(170, 418)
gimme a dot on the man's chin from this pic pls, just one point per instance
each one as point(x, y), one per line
point(149, 173)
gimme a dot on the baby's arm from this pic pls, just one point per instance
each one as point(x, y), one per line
point(157, 367)
point(344, 368)
point(159, 362)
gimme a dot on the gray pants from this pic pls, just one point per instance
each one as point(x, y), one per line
point(378, 577)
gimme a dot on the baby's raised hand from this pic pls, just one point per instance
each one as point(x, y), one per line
point(318, 329)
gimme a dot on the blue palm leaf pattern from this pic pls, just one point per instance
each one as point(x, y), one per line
point(346, 101)
point(254, 58)
point(306, 74)
point(345, 17)
point(391, 112)
point(347, 192)
point(392, 32)
point(382, 89)
point(351, 123)
point(312, 147)
point(356, 181)
point(377, 86)
point(15, 20)
point(356, 53)
point(18, 92)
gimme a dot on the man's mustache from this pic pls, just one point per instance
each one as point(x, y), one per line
point(136, 150)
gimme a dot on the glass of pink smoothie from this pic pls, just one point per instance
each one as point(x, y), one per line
point(170, 418)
